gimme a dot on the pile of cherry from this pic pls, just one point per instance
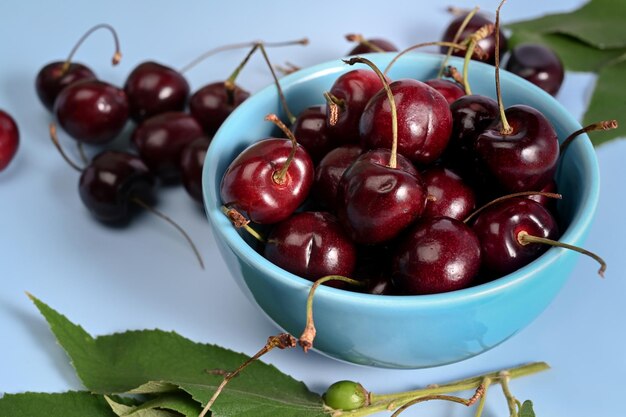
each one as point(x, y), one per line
point(382, 183)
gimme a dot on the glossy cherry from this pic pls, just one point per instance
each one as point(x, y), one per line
point(92, 111)
point(161, 139)
point(213, 103)
point(366, 46)
point(329, 171)
point(311, 245)
point(376, 202)
point(55, 76)
point(153, 88)
point(448, 194)
point(9, 139)
point(451, 90)
point(524, 159)
point(349, 95)
point(424, 121)
point(438, 255)
point(487, 45)
point(110, 183)
point(268, 180)
point(498, 228)
point(538, 64)
point(312, 133)
point(191, 165)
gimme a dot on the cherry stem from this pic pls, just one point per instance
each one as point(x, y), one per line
point(392, 104)
point(308, 335)
point(506, 128)
point(480, 391)
point(335, 106)
point(452, 72)
point(281, 341)
point(358, 38)
point(603, 125)
point(511, 401)
point(55, 140)
point(229, 84)
point(303, 41)
point(424, 44)
point(117, 55)
point(163, 216)
point(239, 221)
point(524, 239)
point(472, 41)
point(509, 196)
point(457, 35)
point(279, 176)
point(288, 68)
point(283, 100)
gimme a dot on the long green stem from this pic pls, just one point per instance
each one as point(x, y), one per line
point(603, 125)
point(117, 55)
point(229, 84)
point(422, 45)
point(506, 127)
point(457, 35)
point(283, 100)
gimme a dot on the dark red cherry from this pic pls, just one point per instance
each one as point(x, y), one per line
point(547, 202)
point(312, 133)
point(54, 77)
point(498, 228)
point(9, 139)
point(311, 245)
point(538, 64)
point(161, 139)
point(525, 159)
point(329, 171)
point(352, 91)
point(111, 181)
point(448, 194)
point(252, 184)
point(488, 44)
point(374, 268)
point(191, 165)
point(438, 255)
point(451, 90)
point(213, 103)
point(153, 88)
point(424, 121)
point(92, 111)
point(375, 202)
point(364, 48)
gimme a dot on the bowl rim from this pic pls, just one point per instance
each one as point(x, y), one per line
point(575, 231)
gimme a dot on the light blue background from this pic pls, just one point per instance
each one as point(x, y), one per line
point(145, 276)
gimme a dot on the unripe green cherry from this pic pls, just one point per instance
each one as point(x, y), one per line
point(346, 395)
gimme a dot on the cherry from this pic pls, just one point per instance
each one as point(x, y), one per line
point(375, 202)
point(55, 76)
point(268, 180)
point(438, 255)
point(451, 90)
point(191, 165)
point(538, 64)
point(9, 139)
point(161, 139)
point(369, 45)
point(329, 171)
point(92, 111)
point(312, 133)
point(213, 103)
point(424, 121)
point(153, 88)
point(347, 98)
point(487, 44)
point(448, 194)
point(111, 182)
point(311, 245)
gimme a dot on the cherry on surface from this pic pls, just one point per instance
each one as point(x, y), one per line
point(191, 164)
point(213, 103)
point(538, 64)
point(366, 46)
point(153, 88)
point(55, 76)
point(92, 111)
point(9, 139)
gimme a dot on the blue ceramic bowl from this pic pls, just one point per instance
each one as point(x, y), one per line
point(403, 331)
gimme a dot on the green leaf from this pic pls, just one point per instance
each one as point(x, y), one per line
point(121, 409)
point(599, 23)
point(527, 409)
point(121, 362)
point(576, 56)
point(67, 404)
point(608, 102)
point(164, 405)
